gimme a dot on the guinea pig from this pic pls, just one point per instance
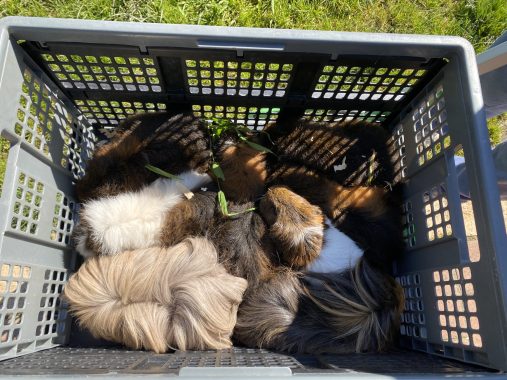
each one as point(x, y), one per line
point(355, 310)
point(343, 168)
point(175, 143)
point(273, 249)
point(132, 219)
point(304, 236)
point(354, 307)
point(178, 297)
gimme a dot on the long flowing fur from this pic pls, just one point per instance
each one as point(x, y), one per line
point(287, 231)
point(353, 311)
point(131, 220)
point(158, 298)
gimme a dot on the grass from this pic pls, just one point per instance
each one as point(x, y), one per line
point(480, 21)
point(4, 153)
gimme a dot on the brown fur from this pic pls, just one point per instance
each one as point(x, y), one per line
point(353, 311)
point(321, 146)
point(296, 227)
point(364, 206)
point(246, 172)
point(247, 246)
point(156, 298)
point(174, 143)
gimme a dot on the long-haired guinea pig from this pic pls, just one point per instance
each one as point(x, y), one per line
point(175, 143)
point(158, 298)
point(355, 310)
point(158, 215)
point(132, 219)
point(344, 168)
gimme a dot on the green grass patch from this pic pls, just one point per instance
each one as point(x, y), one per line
point(480, 21)
point(497, 127)
point(4, 153)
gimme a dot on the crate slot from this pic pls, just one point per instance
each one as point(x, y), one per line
point(44, 123)
point(455, 301)
point(430, 127)
point(27, 205)
point(413, 319)
point(105, 115)
point(252, 117)
point(337, 115)
point(104, 72)
point(245, 78)
point(63, 219)
point(365, 82)
point(14, 286)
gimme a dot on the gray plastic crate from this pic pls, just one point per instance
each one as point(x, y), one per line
point(65, 83)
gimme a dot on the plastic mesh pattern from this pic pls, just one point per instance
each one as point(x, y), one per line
point(64, 360)
point(408, 224)
point(246, 78)
point(365, 82)
point(53, 312)
point(436, 210)
point(99, 360)
point(430, 127)
point(413, 320)
point(104, 72)
point(63, 219)
point(44, 122)
point(105, 115)
point(252, 117)
point(14, 286)
point(458, 318)
point(26, 210)
point(334, 115)
point(398, 148)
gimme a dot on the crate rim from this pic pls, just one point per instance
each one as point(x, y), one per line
point(47, 26)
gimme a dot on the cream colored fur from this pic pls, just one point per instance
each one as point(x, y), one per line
point(158, 298)
point(132, 220)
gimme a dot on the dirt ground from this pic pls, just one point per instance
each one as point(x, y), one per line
point(471, 230)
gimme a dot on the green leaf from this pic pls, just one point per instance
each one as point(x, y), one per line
point(161, 172)
point(222, 201)
point(258, 147)
point(243, 128)
point(217, 171)
point(218, 131)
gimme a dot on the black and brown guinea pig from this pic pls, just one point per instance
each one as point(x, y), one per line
point(175, 143)
point(344, 168)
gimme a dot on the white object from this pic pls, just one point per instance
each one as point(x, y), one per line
point(339, 252)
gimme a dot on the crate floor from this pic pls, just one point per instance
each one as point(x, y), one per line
point(70, 360)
